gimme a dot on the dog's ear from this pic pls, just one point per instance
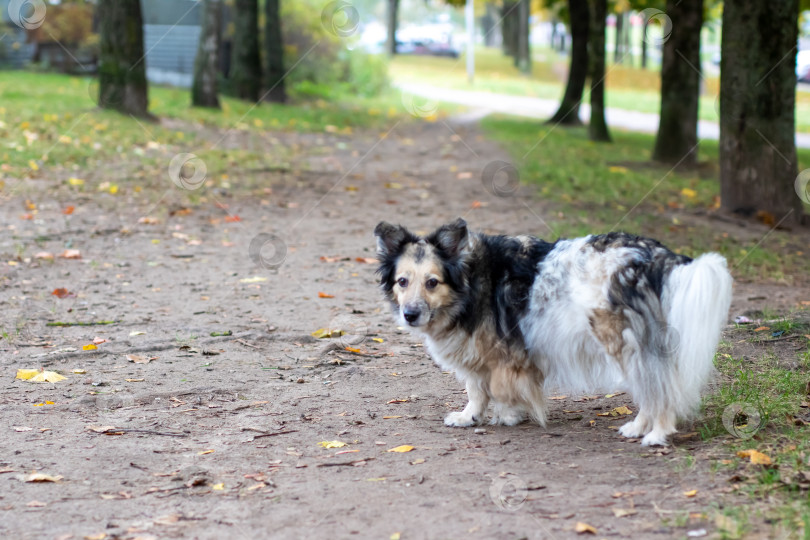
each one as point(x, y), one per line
point(390, 238)
point(452, 238)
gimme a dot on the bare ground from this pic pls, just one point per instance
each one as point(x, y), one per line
point(217, 436)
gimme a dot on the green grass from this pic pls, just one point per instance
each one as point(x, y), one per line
point(627, 88)
point(594, 187)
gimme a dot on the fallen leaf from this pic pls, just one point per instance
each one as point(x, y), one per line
point(332, 444)
point(89, 347)
point(691, 193)
point(218, 487)
point(622, 512)
point(148, 220)
point(757, 458)
point(390, 418)
point(232, 219)
point(136, 333)
point(36, 504)
point(39, 376)
point(95, 428)
point(417, 461)
point(203, 452)
point(134, 380)
point(761, 329)
point(41, 477)
point(403, 448)
point(582, 528)
point(21, 428)
point(68, 210)
point(43, 255)
point(690, 493)
point(139, 359)
point(558, 397)
point(60, 293)
point(325, 295)
point(321, 333)
point(353, 350)
point(366, 260)
point(75, 181)
point(254, 279)
point(71, 254)
point(79, 371)
point(622, 410)
point(99, 340)
point(377, 339)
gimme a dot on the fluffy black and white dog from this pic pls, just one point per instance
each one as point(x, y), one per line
point(513, 316)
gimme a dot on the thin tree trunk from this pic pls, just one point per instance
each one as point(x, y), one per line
point(510, 29)
point(644, 29)
point(392, 15)
point(274, 53)
point(676, 142)
point(597, 128)
point(617, 44)
point(122, 66)
point(758, 164)
point(524, 60)
point(204, 87)
point(246, 69)
point(568, 113)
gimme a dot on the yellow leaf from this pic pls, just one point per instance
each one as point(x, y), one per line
point(582, 528)
point(622, 410)
point(218, 487)
point(203, 452)
point(254, 279)
point(690, 493)
point(332, 444)
point(403, 448)
point(89, 347)
point(26, 374)
point(757, 458)
point(377, 339)
point(41, 477)
point(395, 536)
point(47, 376)
point(390, 417)
point(321, 333)
point(33, 165)
point(75, 181)
point(417, 461)
point(686, 192)
point(617, 169)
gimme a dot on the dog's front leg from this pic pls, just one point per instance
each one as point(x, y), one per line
point(473, 413)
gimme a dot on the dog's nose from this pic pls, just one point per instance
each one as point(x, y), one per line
point(411, 314)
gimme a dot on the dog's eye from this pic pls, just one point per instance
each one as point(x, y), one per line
point(402, 282)
point(432, 283)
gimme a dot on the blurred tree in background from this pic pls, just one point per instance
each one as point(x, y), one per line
point(204, 88)
point(246, 67)
point(273, 53)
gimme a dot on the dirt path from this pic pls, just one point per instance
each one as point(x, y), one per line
point(217, 436)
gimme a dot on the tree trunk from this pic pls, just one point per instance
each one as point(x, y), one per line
point(645, 27)
point(597, 128)
point(122, 66)
point(204, 87)
point(510, 29)
point(246, 69)
point(274, 53)
point(617, 44)
point(568, 113)
point(392, 15)
point(523, 57)
point(676, 142)
point(758, 164)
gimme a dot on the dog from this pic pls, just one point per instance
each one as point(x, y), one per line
point(515, 316)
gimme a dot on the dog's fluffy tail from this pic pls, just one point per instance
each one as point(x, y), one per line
point(696, 301)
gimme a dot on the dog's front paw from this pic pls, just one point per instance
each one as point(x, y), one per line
point(632, 429)
point(461, 419)
point(509, 417)
point(655, 438)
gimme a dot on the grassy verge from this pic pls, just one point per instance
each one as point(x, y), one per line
point(600, 187)
point(626, 87)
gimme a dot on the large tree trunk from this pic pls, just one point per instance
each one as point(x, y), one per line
point(204, 87)
point(597, 128)
point(274, 53)
point(246, 69)
point(392, 16)
point(676, 142)
point(757, 108)
point(523, 58)
point(568, 113)
point(122, 66)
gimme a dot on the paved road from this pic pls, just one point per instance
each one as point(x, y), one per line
point(532, 107)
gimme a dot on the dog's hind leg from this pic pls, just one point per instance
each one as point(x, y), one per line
point(474, 413)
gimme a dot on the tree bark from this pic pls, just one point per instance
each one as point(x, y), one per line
point(392, 16)
point(758, 164)
point(246, 69)
point(676, 142)
point(523, 58)
point(274, 53)
point(645, 27)
point(122, 66)
point(206, 64)
point(568, 113)
point(597, 127)
point(510, 29)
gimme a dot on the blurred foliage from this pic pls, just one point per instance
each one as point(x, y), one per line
point(325, 64)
